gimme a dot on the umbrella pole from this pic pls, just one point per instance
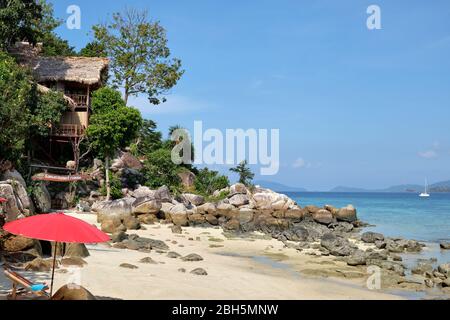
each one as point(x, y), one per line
point(53, 270)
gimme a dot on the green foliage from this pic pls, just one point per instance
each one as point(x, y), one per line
point(106, 99)
point(160, 170)
point(46, 111)
point(19, 19)
point(113, 129)
point(116, 187)
point(33, 21)
point(93, 49)
point(245, 174)
point(148, 139)
point(140, 58)
point(207, 181)
point(15, 87)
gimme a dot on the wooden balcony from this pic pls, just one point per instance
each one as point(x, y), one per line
point(68, 130)
point(81, 100)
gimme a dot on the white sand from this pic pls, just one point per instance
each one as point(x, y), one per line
point(229, 276)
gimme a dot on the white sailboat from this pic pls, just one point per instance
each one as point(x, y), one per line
point(425, 194)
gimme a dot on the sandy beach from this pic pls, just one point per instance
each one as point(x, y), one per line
point(237, 268)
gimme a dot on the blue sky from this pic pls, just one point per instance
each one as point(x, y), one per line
point(356, 107)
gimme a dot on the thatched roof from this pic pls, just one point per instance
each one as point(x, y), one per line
point(76, 69)
point(83, 70)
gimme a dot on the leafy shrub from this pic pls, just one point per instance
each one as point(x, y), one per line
point(207, 181)
point(116, 187)
point(160, 170)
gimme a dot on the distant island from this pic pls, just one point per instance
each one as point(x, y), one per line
point(443, 186)
point(275, 186)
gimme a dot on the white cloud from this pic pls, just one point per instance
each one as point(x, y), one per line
point(299, 163)
point(429, 154)
point(432, 153)
point(175, 104)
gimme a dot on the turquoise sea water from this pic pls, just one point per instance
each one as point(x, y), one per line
point(393, 214)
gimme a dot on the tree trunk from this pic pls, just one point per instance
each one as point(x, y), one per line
point(108, 187)
point(126, 97)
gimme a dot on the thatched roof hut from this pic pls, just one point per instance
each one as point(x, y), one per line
point(83, 70)
point(88, 71)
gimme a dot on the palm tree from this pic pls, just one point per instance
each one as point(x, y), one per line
point(245, 174)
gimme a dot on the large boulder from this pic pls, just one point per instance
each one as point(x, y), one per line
point(23, 200)
point(40, 265)
point(146, 205)
point(125, 160)
point(14, 175)
point(207, 208)
point(187, 179)
point(17, 243)
point(73, 292)
point(372, 237)
point(347, 213)
point(77, 250)
point(130, 178)
point(144, 192)
point(163, 194)
point(41, 198)
point(337, 246)
point(223, 208)
point(119, 209)
point(178, 214)
point(239, 200)
point(323, 216)
point(269, 200)
point(10, 208)
point(238, 188)
point(193, 199)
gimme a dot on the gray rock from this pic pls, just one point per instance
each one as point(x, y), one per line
point(445, 245)
point(238, 200)
point(421, 268)
point(76, 250)
point(146, 205)
point(337, 246)
point(192, 257)
point(357, 258)
point(199, 272)
point(194, 199)
point(128, 266)
point(163, 194)
point(176, 229)
point(114, 209)
point(444, 269)
point(372, 237)
point(296, 233)
point(41, 198)
point(119, 236)
point(148, 260)
point(173, 255)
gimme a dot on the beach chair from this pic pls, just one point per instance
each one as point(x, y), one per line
point(17, 280)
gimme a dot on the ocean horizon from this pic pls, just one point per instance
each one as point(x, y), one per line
point(404, 215)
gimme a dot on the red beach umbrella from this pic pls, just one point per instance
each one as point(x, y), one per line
point(56, 227)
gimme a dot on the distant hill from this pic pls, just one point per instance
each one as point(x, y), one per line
point(348, 189)
point(443, 186)
point(275, 186)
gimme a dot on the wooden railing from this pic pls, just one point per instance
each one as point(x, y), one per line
point(68, 130)
point(80, 99)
